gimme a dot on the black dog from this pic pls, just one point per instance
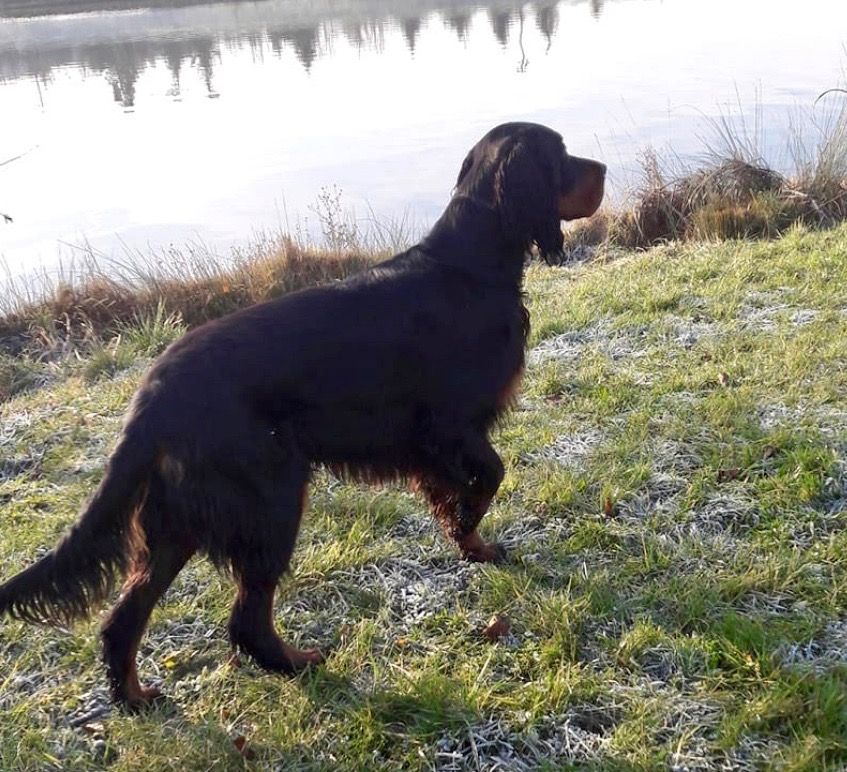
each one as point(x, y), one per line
point(398, 372)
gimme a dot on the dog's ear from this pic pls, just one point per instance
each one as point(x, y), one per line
point(466, 167)
point(526, 184)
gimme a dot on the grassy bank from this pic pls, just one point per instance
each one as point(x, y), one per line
point(49, 323)
point(673, 506)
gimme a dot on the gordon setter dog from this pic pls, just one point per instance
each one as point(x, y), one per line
point(396, 373)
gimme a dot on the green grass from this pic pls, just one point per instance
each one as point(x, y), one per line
point(674, 511)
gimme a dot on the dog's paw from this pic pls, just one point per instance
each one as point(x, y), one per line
point(139, 699)
point(301, 659)
point(474, 548)
point(490, 553)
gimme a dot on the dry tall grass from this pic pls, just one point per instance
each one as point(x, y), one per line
point(732, 194)
point(99, 298)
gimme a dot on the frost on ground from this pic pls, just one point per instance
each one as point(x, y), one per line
point(88, 456)
point(12, 426)
point(770, 318)
point(571, 450)
point(567, 347)
point(687, 332)
point(405, 592)
point(820, 653)
point(416, 590)
point(495, 744)
point(584, 734)
point(532, 532)
point(776, 415)
point(20, 464)
point(751, 754)
point(660, 495)
point(830, 421)
point(601, 336)
point(766, 311)
point(674, 458)
point(762, 319)
point(628, 342)
point(732, 510)
point(673, 462)
point(95, 704)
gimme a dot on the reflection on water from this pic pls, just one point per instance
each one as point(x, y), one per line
point(121, 48)
point(141, 125)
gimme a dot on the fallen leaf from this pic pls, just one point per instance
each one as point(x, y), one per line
point(498, 627)
point(609, 507)
point(723, 379)
point(728, 475)
point(243, 747)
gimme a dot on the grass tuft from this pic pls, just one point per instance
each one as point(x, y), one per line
point(732, 195)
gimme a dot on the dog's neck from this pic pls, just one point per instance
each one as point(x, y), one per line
point(469, 236)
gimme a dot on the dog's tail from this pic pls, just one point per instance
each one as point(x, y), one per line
point(80, 571)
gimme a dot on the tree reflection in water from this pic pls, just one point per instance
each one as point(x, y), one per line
point(184, 34)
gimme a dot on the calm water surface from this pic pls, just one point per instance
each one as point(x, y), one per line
point(126, 127)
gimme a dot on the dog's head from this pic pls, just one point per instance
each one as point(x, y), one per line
point(524, 171)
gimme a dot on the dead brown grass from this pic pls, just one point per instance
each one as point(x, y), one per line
point(193, 285)
point(732, 194)
point(732, 199)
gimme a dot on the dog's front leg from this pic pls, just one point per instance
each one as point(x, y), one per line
point(459, 485)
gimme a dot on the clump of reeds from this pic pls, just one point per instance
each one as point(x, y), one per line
point(101, 297)
point(48, 316)
point(732, 194)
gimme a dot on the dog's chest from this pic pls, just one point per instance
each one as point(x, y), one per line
point(492, 359)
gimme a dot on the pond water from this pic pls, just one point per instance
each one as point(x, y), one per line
point(133, 128)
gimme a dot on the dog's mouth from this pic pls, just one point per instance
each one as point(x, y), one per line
point(586, 196)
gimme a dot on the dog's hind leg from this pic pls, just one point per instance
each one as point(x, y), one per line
point(153, 571)
point(459, 485)
point(251, 627)
point(261, 558)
